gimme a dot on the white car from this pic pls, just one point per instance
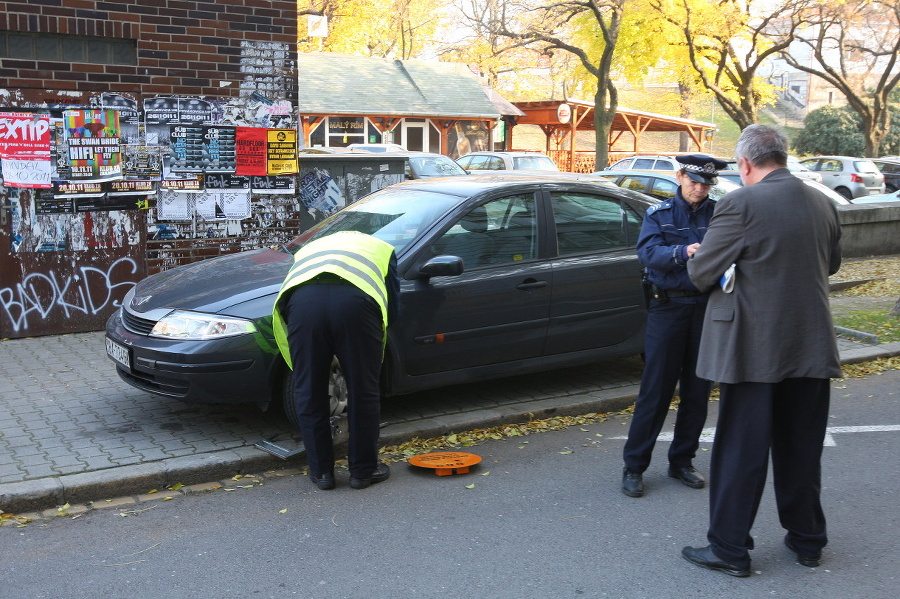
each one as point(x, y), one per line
point(507, 161)
point(377, 147)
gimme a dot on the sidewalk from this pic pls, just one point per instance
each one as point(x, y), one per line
point(72, 432)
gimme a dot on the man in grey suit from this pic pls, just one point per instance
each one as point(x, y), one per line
point(770, 344)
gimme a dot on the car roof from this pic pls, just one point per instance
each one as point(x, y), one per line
point(664, 174)
point(504, 153)
point(475, 184)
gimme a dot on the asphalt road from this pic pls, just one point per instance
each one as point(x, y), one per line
point(542, 516)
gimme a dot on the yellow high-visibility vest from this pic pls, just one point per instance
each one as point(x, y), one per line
point(360, 259)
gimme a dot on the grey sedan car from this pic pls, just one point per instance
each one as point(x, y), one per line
point(501, 275)
point(850, 177)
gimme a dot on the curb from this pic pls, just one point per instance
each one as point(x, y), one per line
point(86, 487)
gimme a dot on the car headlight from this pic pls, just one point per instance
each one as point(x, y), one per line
point(193, 325)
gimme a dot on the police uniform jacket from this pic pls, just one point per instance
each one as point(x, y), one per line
point(669, 227)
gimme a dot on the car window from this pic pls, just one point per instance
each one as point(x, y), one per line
point(588, 223)
point(811, 164)
point(664, 165)
point(622, 165)
point(498, 232)
point(464, 162)
point(534, 163)
point(634, 183)
point(865, 166)
point(495, 163)
point(434, 166)
point(663, 189)
point(831, 165)
point(480, 163)
point(644, 163)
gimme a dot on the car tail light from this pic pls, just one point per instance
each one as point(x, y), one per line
point(855, 178)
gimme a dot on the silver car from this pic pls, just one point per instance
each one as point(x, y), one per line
point(851, 177)
point(480, 162)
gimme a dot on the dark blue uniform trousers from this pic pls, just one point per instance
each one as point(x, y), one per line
point(326, 320)
point(789, 419)
point(670, 350)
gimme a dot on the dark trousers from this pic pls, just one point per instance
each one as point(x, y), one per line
point(670, 350)
point(326, 320)
point(789, 419)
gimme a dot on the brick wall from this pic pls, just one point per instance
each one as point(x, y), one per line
point(183, 47)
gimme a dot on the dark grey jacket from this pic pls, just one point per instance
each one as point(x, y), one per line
point(784, 237)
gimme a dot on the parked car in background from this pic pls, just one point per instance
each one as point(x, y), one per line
point(507, 161)
point(851, 177)
point(793, 165)
point(377, 147)
point(660, 185)
point(500, 275)
point(878, 199)
point(891, 171)
point(424, 165)
point(646, 162)
point(799, 170)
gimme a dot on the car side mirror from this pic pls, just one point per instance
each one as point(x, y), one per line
point(442, 266)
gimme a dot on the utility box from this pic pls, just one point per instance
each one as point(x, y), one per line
point(328, 183)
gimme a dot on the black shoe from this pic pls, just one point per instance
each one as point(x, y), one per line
point(705, 558)
point(325, 481)
point(810, 561)
point(382, 473)
point(632, 483)
point(688, 475)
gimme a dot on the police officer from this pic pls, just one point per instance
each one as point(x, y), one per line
point(337, 300)
point(671, 233)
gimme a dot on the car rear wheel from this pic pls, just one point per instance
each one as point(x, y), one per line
point(337, 392)
point(844, 192)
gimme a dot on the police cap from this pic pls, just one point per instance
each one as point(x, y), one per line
point(701, 168)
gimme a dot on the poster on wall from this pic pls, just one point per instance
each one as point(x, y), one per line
point(223, 204)
point(46, 202)
point(93, 144)
point(320, 192)
point(25, 149)
point(129, 116)
point(273, 184)
point(142, 161)
point(281, 151)
point(171, 205)
point(202, 149)
point(250, 151)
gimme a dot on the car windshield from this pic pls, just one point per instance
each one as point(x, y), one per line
point(434, 166)
point(392, 215)
point(534, 163)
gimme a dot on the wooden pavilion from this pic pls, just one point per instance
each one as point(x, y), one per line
point(560, 120)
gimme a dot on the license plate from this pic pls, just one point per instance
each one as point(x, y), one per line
point(118, 352)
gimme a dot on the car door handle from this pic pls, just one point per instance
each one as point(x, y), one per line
point(530, 284)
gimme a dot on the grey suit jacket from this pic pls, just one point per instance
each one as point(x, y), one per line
point(784, 238)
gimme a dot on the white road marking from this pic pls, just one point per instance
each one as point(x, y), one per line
point(709, 434)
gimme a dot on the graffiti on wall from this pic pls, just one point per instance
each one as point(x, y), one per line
point(89, 291)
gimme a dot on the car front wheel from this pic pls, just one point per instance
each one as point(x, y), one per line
point(337, 392)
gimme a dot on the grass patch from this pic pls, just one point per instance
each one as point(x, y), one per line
point(874, 322)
